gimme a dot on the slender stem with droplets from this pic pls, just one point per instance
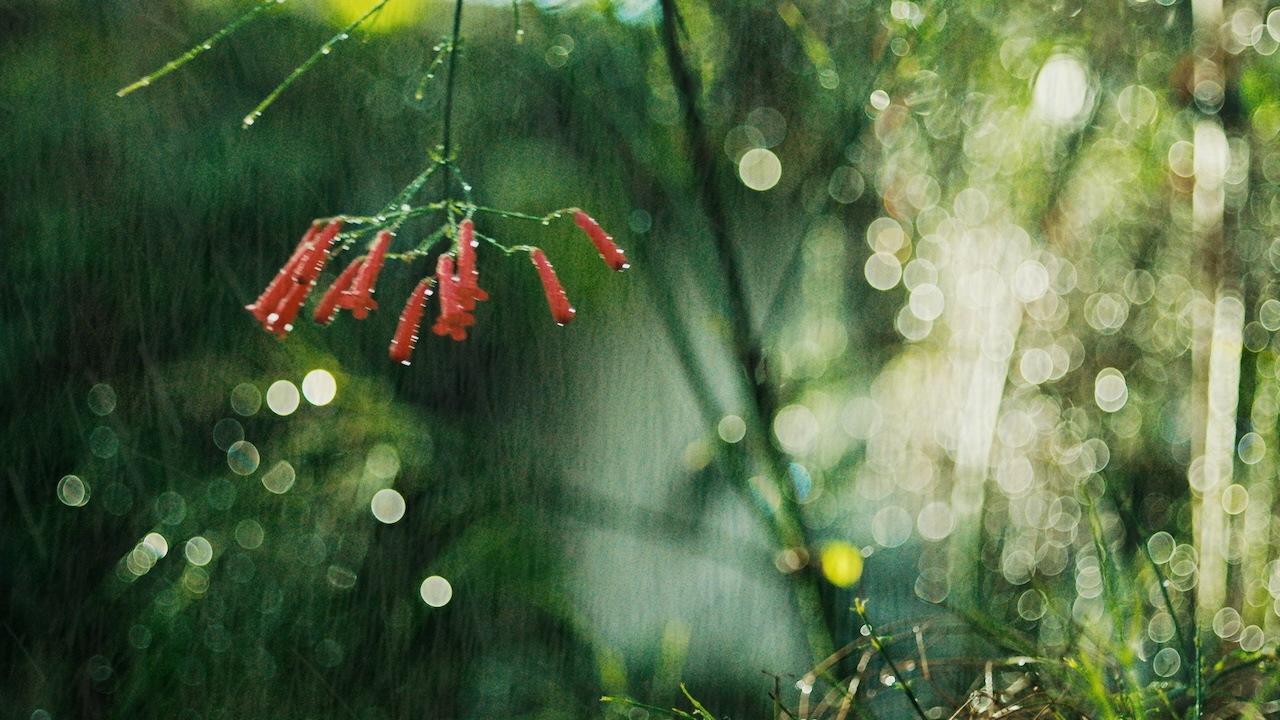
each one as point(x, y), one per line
point(189, 55)
point(446, 142)
point(315, 58)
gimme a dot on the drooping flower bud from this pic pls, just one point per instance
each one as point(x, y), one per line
point(280, 321)
point(469, 291)
point(608, 249)
point(328, 306)
point(561, 311)
point(359, 298)
point(407, 331)
point(454, 319)
point(315, 258)
point(280, 286)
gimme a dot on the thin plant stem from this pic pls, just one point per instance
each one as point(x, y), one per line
point(860, 606)
point(1199, 679)
point(1180, 632)
point(406, 195)
point(189, 55)
point(324, 49)
point(430, 72)
point(450, 81)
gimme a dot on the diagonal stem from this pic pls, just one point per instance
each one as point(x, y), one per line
point(747, 346)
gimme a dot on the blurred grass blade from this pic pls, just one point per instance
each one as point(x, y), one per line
point(198, 49)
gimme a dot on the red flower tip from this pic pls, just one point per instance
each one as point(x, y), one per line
point(328, 306)
point(407, 331)
point(561, 311)
point(469, 291)
point(454, 318)
point(359, 298)
point(608, 249)
point(280, 320)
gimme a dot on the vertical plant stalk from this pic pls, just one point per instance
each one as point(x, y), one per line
point(747, 347)
point(451, 74)
point(450, 80)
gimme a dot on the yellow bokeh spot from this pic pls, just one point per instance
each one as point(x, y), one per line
point(841, 564)
point(392, 16)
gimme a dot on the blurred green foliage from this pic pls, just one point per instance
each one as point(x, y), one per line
point(1007, 279)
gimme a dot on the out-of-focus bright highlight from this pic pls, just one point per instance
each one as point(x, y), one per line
point(319, 387)
point(387, 506)
point(436, 591)
point(841, 564)
point(282, 397)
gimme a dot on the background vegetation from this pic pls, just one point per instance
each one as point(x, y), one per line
point(963, 308)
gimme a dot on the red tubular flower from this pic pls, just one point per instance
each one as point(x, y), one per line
point(469, 291)
point(280, 321)
point(454, 318)
point(359, 299)
point(407, 331)
point(314, 260)
point(328, 306)
point(609, 251)
point(280, 286)
point(561, 311)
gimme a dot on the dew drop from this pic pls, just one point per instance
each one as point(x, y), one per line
point(324, 50)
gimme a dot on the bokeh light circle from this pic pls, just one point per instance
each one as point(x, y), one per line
point(319, 387)
point(387, 506)
point(243, 457)
point(283, 397)
point(759, 169)
point(436, 591)
point(73, 491)
point(841, 564)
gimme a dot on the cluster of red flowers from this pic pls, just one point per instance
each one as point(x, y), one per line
point(278, 305)
point(456, 279)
